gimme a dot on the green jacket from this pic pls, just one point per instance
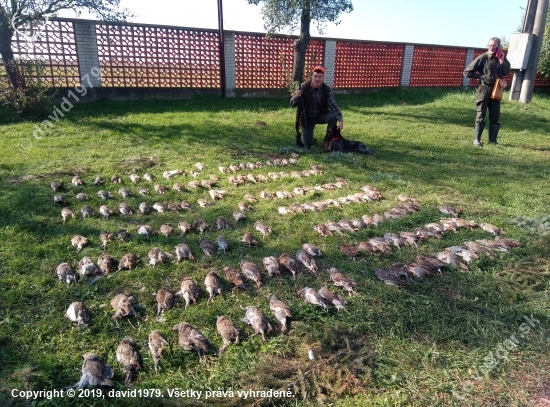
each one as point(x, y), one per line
point(487, 69)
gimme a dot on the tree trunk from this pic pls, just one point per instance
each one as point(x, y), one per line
point(301, 44)
point(6, 35)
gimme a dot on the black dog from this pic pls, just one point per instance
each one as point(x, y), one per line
point(334, 141)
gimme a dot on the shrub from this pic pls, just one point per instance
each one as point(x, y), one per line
point(32, 100)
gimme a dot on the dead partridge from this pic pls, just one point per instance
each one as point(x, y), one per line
point(104, 194)
point(281, 311)
point(234, 277)
point(66, 273)
point(213, 285)
point(340, 280)
point(290, 264)
point(189, 338)
point(123, 306)
point(332, 298)
point(156, 256)
point(251, 272)
point(104, 210)
point(449, 210)
point(249, 239)
point(157, 342)
point(303, 257)
point(123, 235)
point(262, 228)
point(271, 264)
point(189, 291)
point(105, 238)
point(66, 213)
point(79, 241)
point(207, 247)
point(77, 312)
point(60, 199)
point(256, 318)
point(56, 186)
point(184, 227)
point(166, 229)
point(128, 262)
point(107, 263)
point(183, 252)
point(87, 211)
point(221, 223)
point(312, 250)
point(124, 209)
point(228, 331)
point(311, 296)
point(165, 301)
point(200, 225)
point(492, 229)
point(145, 230)
point(128, 356)
point(94, 372)
point(223, 244)
point(87, 267)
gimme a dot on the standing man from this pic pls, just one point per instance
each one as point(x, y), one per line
point(487, 68)
point(316, 105)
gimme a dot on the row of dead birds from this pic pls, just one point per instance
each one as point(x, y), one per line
point(194, 172)
point(144, 208)
point(368, 194)
point(385, 243)
point(459, 256)
point(366, 221)
point(241, 179)
point(273, 265)
point(77, 181)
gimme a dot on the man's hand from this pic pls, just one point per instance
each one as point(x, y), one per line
point(298, 93)
point(503, 83)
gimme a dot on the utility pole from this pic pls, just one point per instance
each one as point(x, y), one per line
point(222, 48)
point(538, 33)
point(527, 28)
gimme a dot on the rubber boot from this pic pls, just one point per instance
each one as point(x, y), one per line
point(299, 141)
point(479, 130)
point(493, 132)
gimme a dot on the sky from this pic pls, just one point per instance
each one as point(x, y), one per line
point(465, 23)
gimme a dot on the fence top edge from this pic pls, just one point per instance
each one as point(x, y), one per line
point(254, 33)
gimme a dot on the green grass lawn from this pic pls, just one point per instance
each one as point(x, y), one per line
point(454, 339)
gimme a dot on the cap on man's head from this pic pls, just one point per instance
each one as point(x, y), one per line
point(319, 69)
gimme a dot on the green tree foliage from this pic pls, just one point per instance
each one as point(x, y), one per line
point(291, 14)
point(544, 59)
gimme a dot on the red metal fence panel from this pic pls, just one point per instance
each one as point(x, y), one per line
point(54, 48)
point(367, 65)
point(437, 66)
point(262, 62)
point(147, 56)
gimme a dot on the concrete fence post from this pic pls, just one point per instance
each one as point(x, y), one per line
point(230, 65)
point(86, 48)
point(468, 61)
point(330, 61)
point(408, 54)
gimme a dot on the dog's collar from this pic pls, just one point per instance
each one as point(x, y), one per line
point(336, 138)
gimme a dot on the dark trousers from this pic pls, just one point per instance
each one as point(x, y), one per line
point(484, 103)
point(328, 117)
